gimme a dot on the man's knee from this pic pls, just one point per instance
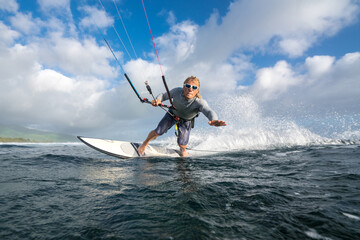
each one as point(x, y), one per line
point(154, 134)
point(182, 146)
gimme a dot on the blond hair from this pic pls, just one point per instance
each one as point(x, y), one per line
point(194, 79)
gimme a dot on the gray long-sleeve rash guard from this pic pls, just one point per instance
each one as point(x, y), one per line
point(188, 108)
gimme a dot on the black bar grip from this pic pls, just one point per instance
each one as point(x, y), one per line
point(149, 89)
point(167, 89)
point(132, 86)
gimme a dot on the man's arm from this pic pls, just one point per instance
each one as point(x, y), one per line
point(207, 111)
point(164, 96)
point(211, 115)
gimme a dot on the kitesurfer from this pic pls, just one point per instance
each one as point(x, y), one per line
point(187, 104)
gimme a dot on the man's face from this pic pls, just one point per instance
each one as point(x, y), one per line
point(190, 93)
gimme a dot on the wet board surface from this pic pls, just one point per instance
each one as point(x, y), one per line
point(124, 149)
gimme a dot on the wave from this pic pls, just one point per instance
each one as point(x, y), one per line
point(230, 139)
point(249, 129)
point(13, 145)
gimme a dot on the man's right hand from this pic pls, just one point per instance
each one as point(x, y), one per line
point(156, 102)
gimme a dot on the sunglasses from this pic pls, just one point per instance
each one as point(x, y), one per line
point(191, 86)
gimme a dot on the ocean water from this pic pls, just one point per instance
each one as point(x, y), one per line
point(280, 191)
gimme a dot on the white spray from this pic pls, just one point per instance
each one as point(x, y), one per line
point(248, 129)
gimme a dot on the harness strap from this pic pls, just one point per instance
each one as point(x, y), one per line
point(179, 120)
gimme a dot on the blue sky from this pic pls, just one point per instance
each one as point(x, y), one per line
point(58, 74)
point(159, 13)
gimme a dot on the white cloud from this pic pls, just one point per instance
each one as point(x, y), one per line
point(294, 47)
point(74, 56)
point(179, 59)
point(9, 5)
point(340, 85)
point(57, 9)
point(294, 25)
point(95, 18)
point(149, 72)
point(46, 4)
point(7, 35)
point(171, 19)
point(319, 65)
point(326, 85)
point(271, 82)
point(16, 62)
point(289, 27)
point(51, 81)
point(31, 94)
point(25, 23)
point(179, 43)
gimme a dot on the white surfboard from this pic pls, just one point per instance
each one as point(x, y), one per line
point(122, 149)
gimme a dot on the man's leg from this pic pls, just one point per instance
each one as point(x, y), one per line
point(184, 135)
point(183, 152)
point(152, 136)
point(166, 123)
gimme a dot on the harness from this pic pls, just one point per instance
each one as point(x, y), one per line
point(179, 120)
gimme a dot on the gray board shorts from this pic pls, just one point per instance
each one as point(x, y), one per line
point(184, 128)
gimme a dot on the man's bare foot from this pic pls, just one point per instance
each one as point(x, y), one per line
point(141, 149)
point(151, 136)
point(183, 152)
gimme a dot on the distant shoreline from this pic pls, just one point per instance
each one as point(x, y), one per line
point(22, 140)
point(19, 134)
point(25, 141)
point(14, 140)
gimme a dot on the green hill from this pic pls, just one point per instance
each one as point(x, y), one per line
point(22, 134)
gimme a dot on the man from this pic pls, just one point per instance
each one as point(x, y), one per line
point(187, 103)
